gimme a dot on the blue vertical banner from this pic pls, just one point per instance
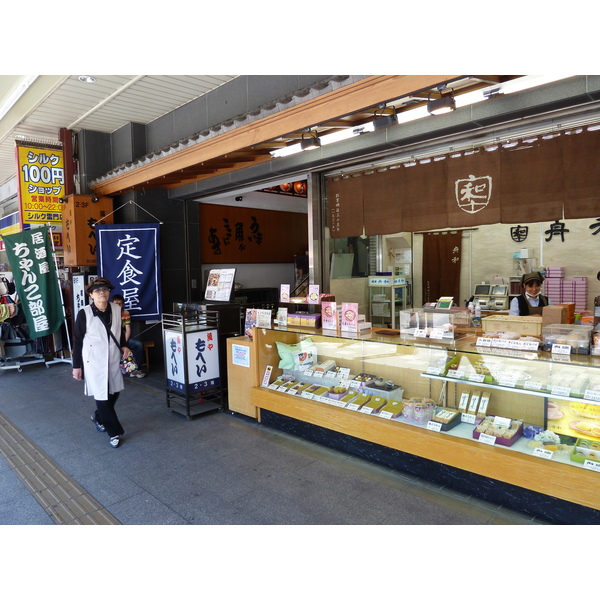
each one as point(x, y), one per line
point(129, 256)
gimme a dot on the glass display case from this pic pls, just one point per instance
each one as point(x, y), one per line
point(516, 415)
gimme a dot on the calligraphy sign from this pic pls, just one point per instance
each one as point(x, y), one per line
point(245, 235)
point(30, 256)
point(129, 256)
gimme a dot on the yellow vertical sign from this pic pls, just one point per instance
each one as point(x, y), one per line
point(41, 184)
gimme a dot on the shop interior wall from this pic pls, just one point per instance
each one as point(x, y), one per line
point(489, 252)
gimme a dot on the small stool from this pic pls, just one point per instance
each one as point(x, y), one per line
point(147, 346)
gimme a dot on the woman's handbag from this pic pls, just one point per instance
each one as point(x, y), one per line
point(128, 365)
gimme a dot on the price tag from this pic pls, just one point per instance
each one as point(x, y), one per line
point(436, 333)
point(456, 374)
point(273, 386)
point(308, 372)
point(292, 392)
point(343, 373)
point(560, 390)
point(530, 345)
point(352, 406)
point(420, 333)
point(484, 438)
point(502, 422)
point(592, 395)
point(533, 385)
point(500, 343)
point(366, 409)
point(478, 377)
point(561, 349)
point(283, 388)
point(433, 371)
point(484, 341)
point(592, 465)
point(434, 426)
point(384, 414)
point(543, 453)
point(355, 384)
point(508, 382)
point(308, 395)
point(467, 418)
point(318, 374)
point(336, 402)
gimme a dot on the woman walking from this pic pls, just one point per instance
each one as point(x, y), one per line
point(97, 349)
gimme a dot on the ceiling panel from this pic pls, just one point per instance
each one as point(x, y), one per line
point(141, 100)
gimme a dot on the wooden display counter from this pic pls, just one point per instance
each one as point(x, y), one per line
point(562, 481)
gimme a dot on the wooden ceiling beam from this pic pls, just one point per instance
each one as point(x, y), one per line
point(345, 100)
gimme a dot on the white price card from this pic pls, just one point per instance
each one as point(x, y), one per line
point(283, 388)
point(502, 422)
point(273, 386)
point(420, 333)
point(592, 465)
point(433, 371)
point(437, 334)
point(543, 453)
point(367, 409)
point(434, 426)
point(560, 390)
point(483, 341)
point(561, 349)
point(385, 414)
point(592, 395)
point(477, 377)
point(353, 406)
point(484, 438)
point(456, 374)
point(533, 385)
point(318, 374)
point(267, 376)
point(308, 373)
point(467, 418)
point(508, 382)
point(307, 395)
point(355, 384)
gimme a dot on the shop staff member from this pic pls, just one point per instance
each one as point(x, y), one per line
point(531, 302)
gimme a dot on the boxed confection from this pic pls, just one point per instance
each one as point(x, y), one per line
point(448, 417)
point(554, 314)
point(585, 450)
point(531, 325)
point(304, 320)
point(505, 436)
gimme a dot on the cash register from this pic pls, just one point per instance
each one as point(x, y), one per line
point(482, 295)
point(499, 297)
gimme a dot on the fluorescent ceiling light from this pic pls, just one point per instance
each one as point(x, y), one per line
point(16, 94)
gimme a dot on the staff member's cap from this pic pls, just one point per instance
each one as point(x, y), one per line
point(534, 276)
point(99, 282)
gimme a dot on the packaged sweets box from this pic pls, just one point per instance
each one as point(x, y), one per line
point(502, 441)
point(585, 450)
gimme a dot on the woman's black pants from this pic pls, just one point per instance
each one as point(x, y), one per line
point(106, 415)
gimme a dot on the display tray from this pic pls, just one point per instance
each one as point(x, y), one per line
point(585, 450)
point(501, 440)
point(454, 421)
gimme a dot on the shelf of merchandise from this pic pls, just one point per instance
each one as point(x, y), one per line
point(517, 465)
point(386, 288)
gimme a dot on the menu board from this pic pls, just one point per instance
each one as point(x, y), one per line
point(219, 285)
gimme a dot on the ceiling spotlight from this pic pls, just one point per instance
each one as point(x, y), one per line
point(440, 106)
point(311, 142)
point(87, 79)
point(385, 120)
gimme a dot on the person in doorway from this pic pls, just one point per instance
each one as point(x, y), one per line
point(134, 345)
point(98, 345)
point(531, 301)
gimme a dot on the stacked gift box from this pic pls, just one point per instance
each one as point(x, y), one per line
point(564, 291)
